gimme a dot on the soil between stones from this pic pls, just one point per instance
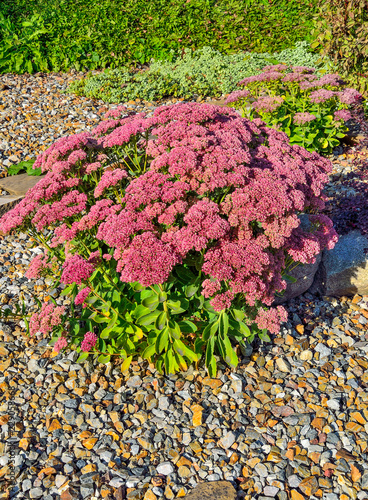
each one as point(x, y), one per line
point(290, 422)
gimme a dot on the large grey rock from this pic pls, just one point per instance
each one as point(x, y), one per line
point(219, 490)
point(304, 275)
point(344, 270)
point(18, 185)
point(8, 202)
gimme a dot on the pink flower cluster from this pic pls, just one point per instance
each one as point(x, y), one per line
point(267, 104)
point(236, 96)
point(89, 341)
point(301, 118)
point(322, 95)
point(60, 344)
point(270, 319)
point(342, 114)
point(108, 179)
point(44, 320)
point(37, 265)
point(81, 296)
point(76, 270)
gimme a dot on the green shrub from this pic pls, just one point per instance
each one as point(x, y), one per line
point(84, 34)
point(23, 50)
point(341, 33)
point(205, 72)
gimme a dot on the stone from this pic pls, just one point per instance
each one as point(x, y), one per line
point(294, 481)
point(304, 275)
point(228, 440)
point(295, 495)
point(309, 485)
point(184, 472)
point(283, 365)
point(261, 470)
point(165, 468)
point(219, 490)
point(342, 453)
point(323, 350)
point(197, 415)
point(135, 381)
point(8, 202)
point(344, 269)
point(282, 411)
point(271, 491)
point(18, 185)
point(36, 493)
point(355, 473)
point(306, 355)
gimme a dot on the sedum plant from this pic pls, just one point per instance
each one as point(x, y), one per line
point(171, 233)
point(311, 109)
point(205, 72)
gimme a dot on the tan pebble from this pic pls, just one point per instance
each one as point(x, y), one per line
point(197, 415)
point(4, 419)
point(89, 468)
point(104, 491)
point(300, 329)
point(169, 494)
point(309, 485)
point(149, 495)
point(289, 340)
point(89, 443)
point(283, 365)
point(55, 424)
point(356, 415)
point(306, 355)
point(214, 383)
point(4, 365)
point(355, 473)
point(318, 423)
point(354, 427)
point(184, 472)
point(185, 461)
point(119, 427)
point(24, 443)
point(295, 495)
point(84, 435)
point(47, 471)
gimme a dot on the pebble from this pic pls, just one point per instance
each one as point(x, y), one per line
point(165, 468)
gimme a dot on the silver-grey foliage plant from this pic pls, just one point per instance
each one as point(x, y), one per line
point(205, 72)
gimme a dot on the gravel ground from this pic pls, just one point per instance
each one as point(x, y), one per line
point(290, 422)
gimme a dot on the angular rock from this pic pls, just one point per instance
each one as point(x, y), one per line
point(219, 490)
point(344, 270)
point(165, 468)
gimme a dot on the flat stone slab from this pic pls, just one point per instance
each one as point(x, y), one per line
point(18, 185)
point(8, 202)
point(213, 490)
